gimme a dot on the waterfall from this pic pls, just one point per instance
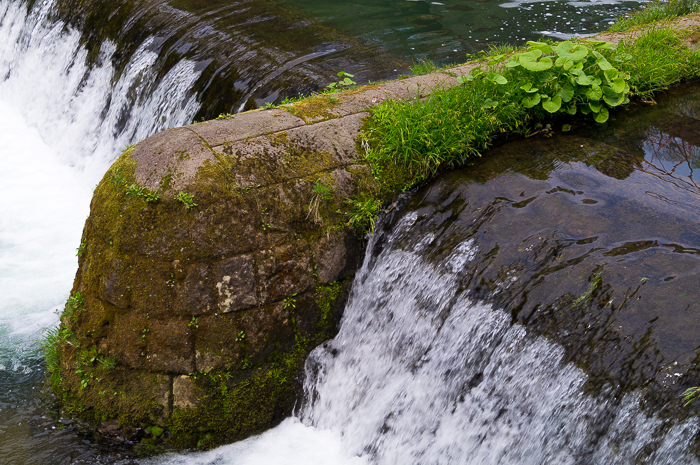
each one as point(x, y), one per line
point(422, 374)
point(61, 128)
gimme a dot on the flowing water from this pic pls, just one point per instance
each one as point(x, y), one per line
point(540, 306)
point(537, 309)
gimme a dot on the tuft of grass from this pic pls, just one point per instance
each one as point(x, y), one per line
point(658, 10)
point(422, 67)
point(493, 51)
point(657, 60)
point(443, 130)
point(51, 346)
point(320, 192)
point(364, 212)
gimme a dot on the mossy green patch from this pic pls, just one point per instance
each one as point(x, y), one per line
point(326, 300)
point(315, 108)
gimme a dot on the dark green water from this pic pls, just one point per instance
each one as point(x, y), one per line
point(251, 52)
point(445, 31)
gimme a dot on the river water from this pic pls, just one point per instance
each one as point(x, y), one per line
point(465, 378)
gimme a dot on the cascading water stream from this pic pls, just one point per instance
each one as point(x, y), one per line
point(420, 373)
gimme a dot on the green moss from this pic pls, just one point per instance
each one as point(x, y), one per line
point(232, 410)
point(166, 181)
point(314, 108)
point(327, 296)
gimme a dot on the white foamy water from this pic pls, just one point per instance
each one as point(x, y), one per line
point(58, 135)
point(419, 373)
point(291, 443)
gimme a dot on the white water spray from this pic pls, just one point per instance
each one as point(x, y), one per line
point(58, 135)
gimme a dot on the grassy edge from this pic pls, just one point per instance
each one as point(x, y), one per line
point(655, 60)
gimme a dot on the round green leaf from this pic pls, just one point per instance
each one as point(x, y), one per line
point(595, 106)
point(594, 93)
point(528, 88)
point(566, 92)
point(529, 61)
point(530, 101)
point(618, 85)
point(603, 63)
point(564, 48)
point(540, 46)
point(579, 52)
point(583, 80)
point(602, 115)
point(498, 78)
point(610, 74)
point(567, 50)
point(611, 97)
point(513, 61)
point(553, 104)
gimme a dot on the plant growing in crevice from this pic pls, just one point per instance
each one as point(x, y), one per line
point(80, 251)
point(319, 192)
point(290, 302)
point(363, 213)
point(74, 306)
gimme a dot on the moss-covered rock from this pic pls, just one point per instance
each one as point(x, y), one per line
point(215, 257)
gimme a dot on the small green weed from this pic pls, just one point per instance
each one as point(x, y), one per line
point(193, 323)
point(345, 82)
point(225, 116)
point(116, 177)
point(264, 214)
point(241, 336)
point(290, 302)
point(140, 191)
point(80, 251)
point(186, 199)
point(74, 306)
